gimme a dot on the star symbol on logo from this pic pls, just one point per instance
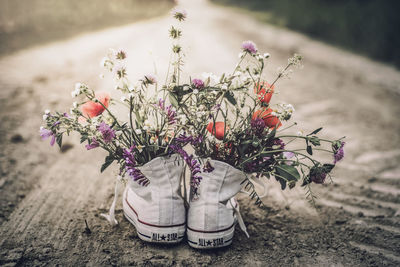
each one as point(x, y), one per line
point(208, 243)
point(163, 237)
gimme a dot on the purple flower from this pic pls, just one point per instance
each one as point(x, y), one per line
point(65, 114)
point(56, 123)
point(171, 115)
point(44, 133)
point(193, 164)
point(317, 175)
point(249, 46)
point(288, 154)
point(216, 107)
point(131, 169)
point(251, 166)
point(107, 133)
point(161, 103)
point(183, 139)
point(338, 152)
point(279, 142)
point(93, 144)
point(197, 83)
point(318, 178)
point(208, 167)
point(258, 126)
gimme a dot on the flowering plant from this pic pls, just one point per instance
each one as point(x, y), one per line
point(227, 118)
point(147, 133)
point(232, 116)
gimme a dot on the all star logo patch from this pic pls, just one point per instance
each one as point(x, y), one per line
point(216, 242)
point(164, 237)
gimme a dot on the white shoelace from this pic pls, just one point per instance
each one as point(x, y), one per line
point(242, 226)
point(110, 217)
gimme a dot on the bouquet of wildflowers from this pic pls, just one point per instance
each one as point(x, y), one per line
point(228, 118)
point(146, 134)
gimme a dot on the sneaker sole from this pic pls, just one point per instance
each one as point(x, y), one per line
point(210, 240)
point(153, 233)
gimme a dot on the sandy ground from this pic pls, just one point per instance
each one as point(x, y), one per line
point(46, 194)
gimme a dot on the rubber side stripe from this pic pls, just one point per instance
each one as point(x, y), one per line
point(149, 224)
point(143, 234)
point(226, 241)
point(192, 242)
point(217, 231)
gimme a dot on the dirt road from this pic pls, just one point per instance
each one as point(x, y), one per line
point(46, 194)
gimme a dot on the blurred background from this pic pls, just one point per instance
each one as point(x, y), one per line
point(24, 22)
point(368, 27)
point(350, 85)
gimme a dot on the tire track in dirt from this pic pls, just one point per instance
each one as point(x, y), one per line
point(359, 205)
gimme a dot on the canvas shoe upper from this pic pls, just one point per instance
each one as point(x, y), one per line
point(157, 211)
point(213, 213)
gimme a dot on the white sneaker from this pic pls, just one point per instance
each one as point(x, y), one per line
point(212, 216)
point(157, 211)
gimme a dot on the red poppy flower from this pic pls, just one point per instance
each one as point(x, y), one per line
point(219, 129)
point(270, 120)
point(264, 92)
point(92, 109)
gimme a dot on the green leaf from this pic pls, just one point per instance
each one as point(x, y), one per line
point(173, 99)
point(84, 137)
point(230, 97)
point(314, 140)
point(328, 167)
point(222, 78)
point(272, 134)
point(138, 119)
point(266, 154)
point(289, 172)
point(59, 140)
point(207, 82)
point(309, 150)
point(109, 160)
point(315, 131)
point(306, 181)
point(336, 145)
point(282, 182)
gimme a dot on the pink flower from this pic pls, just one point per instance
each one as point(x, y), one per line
point(197, 83)
point(249, 46)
